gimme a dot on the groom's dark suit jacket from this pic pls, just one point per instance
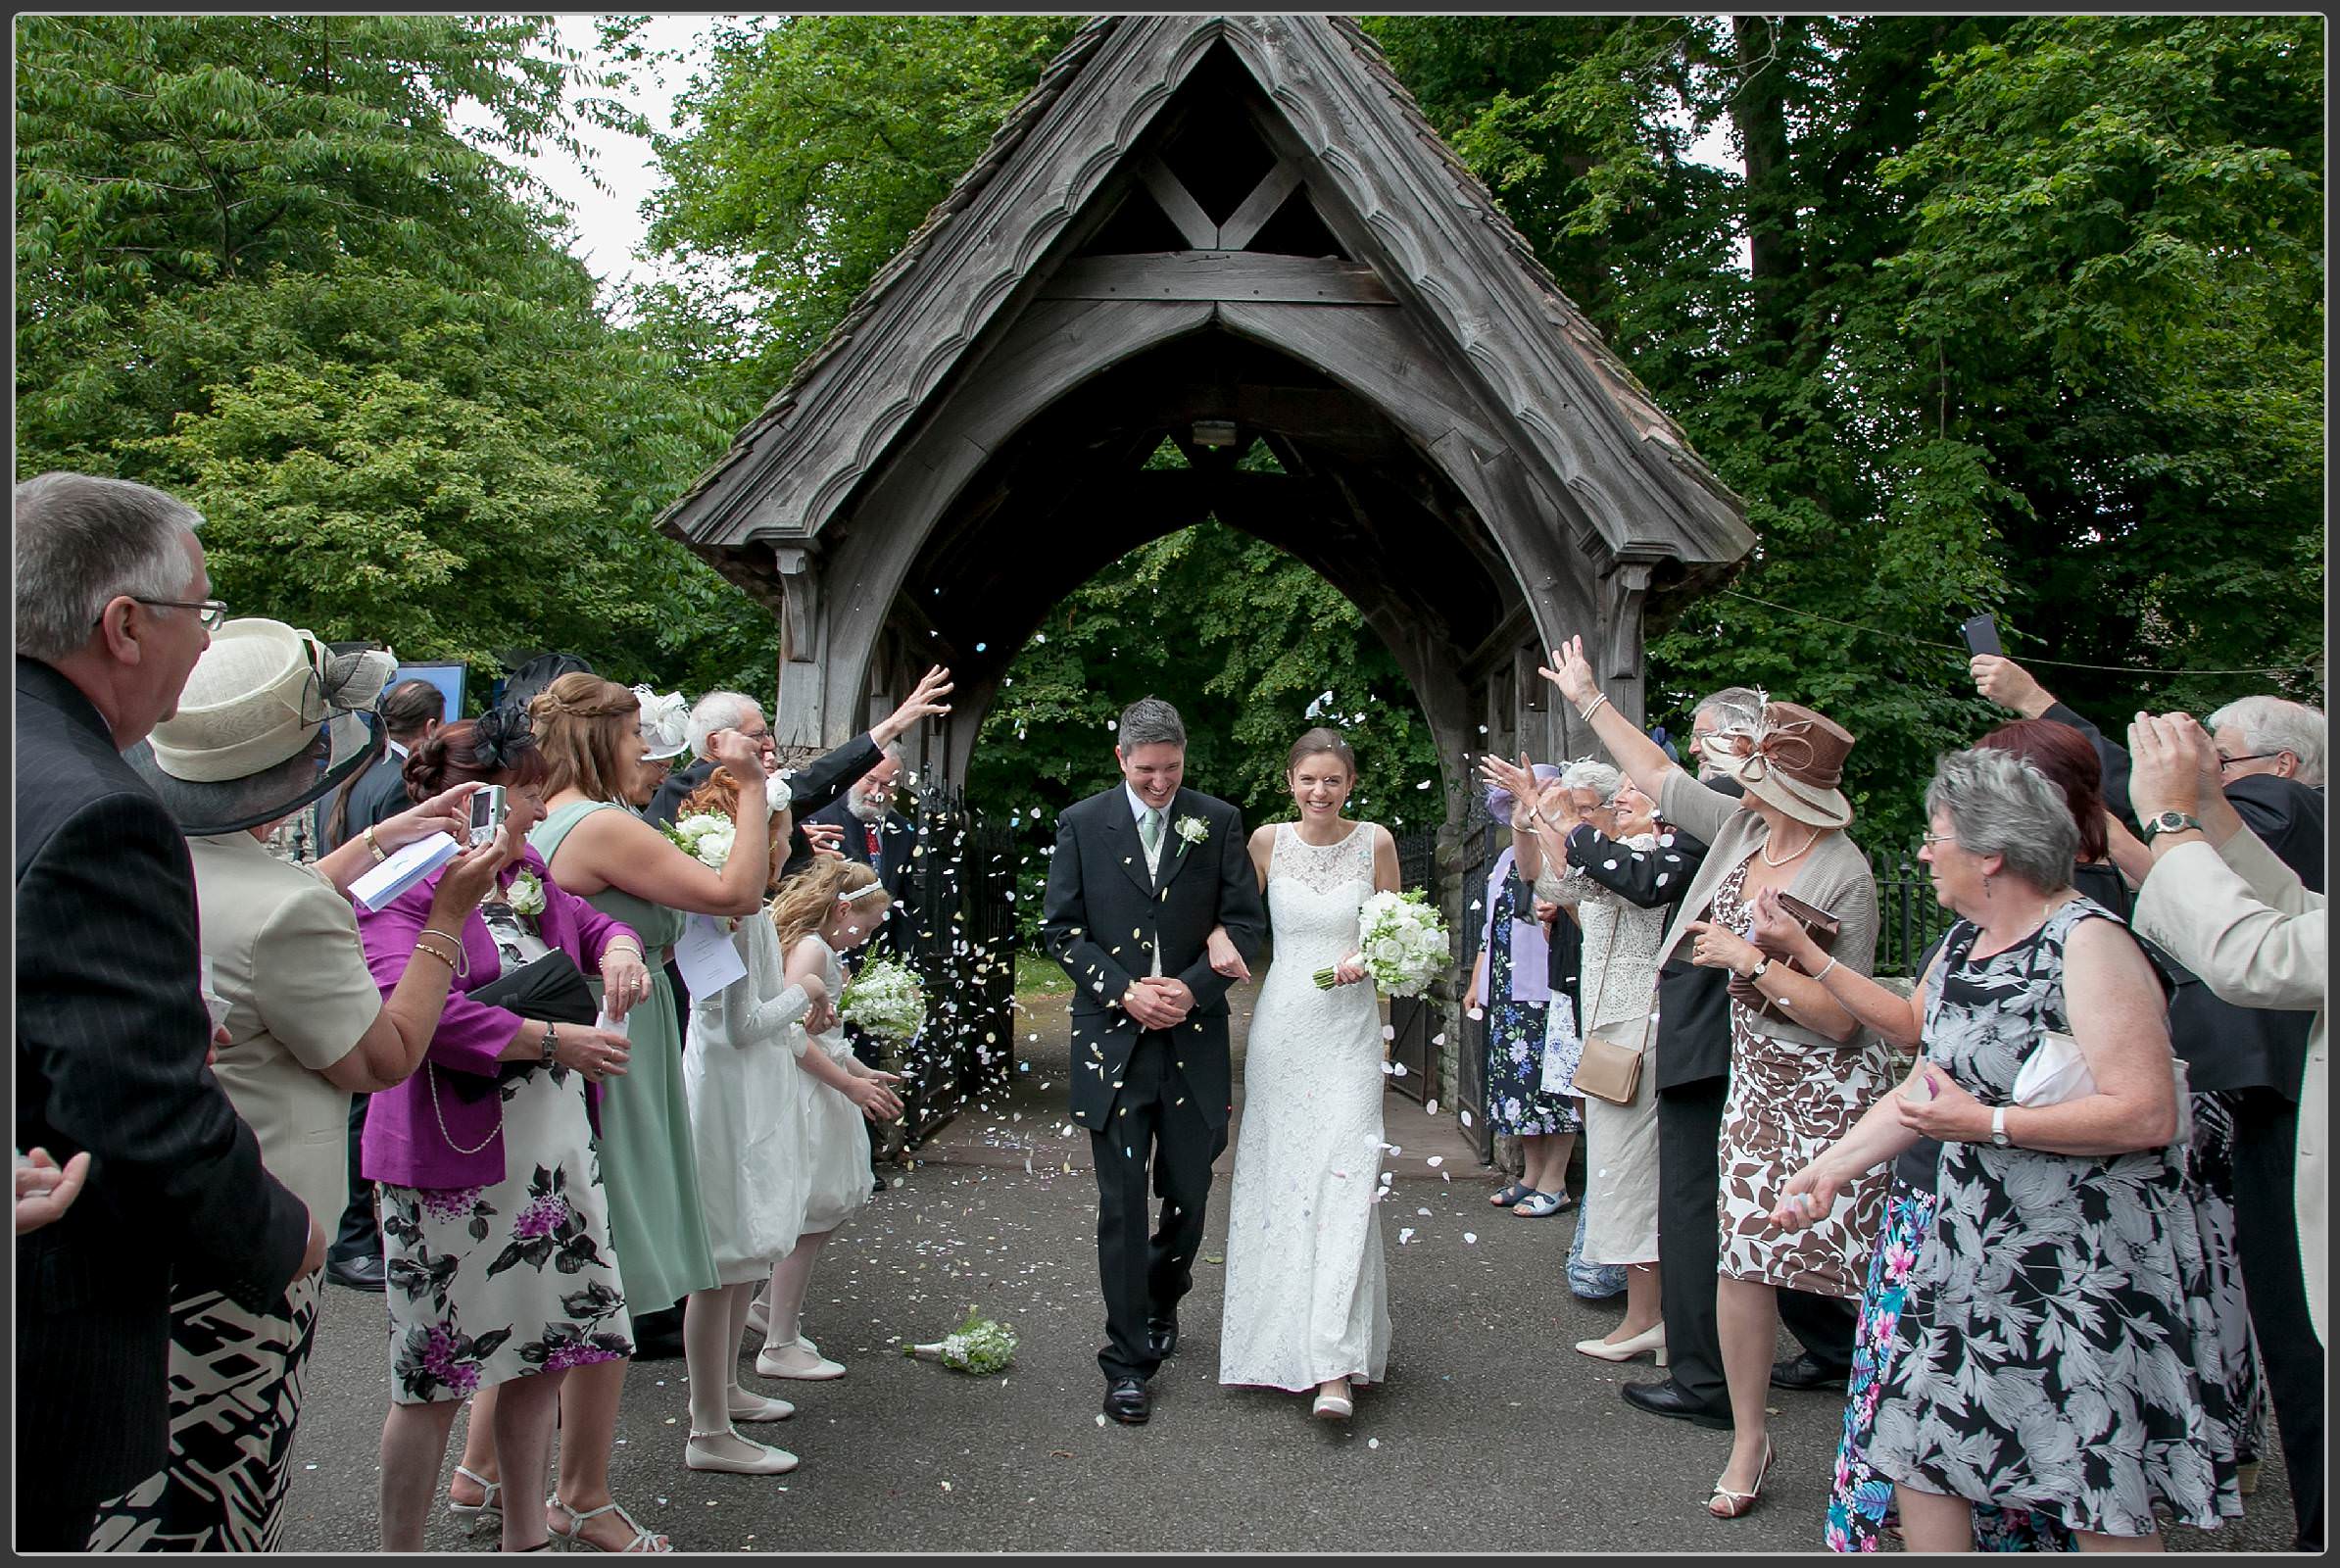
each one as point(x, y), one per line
point(1105, 917)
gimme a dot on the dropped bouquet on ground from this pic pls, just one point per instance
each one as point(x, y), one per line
point(885, 1000)
point(980, 1347)
point(1403, 944)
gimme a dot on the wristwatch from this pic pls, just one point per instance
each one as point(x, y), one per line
point(552, 1041)
point(1761, 965)
point(2171, 822)
point(1998, 1129)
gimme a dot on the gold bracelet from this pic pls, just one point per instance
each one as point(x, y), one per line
point(434, 931)
point(621, 945)
point(373, 847)
point(440, 953)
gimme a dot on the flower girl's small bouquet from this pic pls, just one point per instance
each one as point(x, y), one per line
point(980, 1347)
point(885, 1000)
point(1402, 943)
point(704, 837)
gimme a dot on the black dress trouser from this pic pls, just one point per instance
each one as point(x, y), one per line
point(1156, 1120)
point(357, 1237)
point(1691, 1250)
point(2267, 1235)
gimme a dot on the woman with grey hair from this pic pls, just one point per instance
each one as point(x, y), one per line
point(2059, 1268)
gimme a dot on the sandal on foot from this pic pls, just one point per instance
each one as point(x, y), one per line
point(1511, 1195)
point(488, 1511)
point(1738, 1504)
point(645, 1539)
point(1537, 1205)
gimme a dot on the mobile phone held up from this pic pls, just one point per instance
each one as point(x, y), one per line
point(1981, 633)
point(487, 813)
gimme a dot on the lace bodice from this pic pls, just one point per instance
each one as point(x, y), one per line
point(1622, 941)
point(832, 974)
point(1314, 894)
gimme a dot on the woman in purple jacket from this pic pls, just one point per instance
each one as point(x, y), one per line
point(494, 1222)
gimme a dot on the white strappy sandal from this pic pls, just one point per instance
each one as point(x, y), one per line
point(487, 1511)
point(645, 1539)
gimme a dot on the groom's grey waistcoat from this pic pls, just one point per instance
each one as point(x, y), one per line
point(1106, 917)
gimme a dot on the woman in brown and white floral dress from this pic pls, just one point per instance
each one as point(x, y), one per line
point(1802, 1068)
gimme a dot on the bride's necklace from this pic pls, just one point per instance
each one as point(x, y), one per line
point(1766, 851)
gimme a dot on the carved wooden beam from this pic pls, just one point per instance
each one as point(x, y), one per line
point(1244, 225)
point(1193, 223)
point(1203, 273)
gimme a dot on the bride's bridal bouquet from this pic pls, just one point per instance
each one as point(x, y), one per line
point(885, 1000)
point(1403, 944)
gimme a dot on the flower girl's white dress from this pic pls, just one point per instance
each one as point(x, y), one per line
point(745, 1089)
point(833, 1135)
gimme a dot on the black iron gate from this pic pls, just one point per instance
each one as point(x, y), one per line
point(957, 929)
point(1414, 1020)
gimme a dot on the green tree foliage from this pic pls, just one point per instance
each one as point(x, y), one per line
point(2028, 320)
point(257, 265)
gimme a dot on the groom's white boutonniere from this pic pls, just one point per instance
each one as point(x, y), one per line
point(526, 896)
point(1193, 830)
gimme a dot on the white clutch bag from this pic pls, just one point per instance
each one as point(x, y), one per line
point(2053, 1073)
point(2057, 1072)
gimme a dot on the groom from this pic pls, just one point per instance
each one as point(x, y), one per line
point(1142, 874)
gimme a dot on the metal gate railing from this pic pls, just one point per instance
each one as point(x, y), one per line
point(1908, 919)
point(957, 929)
point(1414, 1020)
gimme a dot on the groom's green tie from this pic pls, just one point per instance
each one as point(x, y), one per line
point(1150, 828)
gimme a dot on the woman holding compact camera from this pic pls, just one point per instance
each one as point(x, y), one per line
point(496, 1225)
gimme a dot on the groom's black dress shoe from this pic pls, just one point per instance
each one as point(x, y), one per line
point(1668, 1398)
point(1128, 1402)
point(1161, 1338)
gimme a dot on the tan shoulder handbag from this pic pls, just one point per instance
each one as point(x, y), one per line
point(1611, 1066)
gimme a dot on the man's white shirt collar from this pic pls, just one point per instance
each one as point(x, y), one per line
point(1138, 806)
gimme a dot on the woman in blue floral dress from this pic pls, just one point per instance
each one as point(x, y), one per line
point(1512, 982)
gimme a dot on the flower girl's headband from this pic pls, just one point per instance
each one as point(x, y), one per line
point(861, 893)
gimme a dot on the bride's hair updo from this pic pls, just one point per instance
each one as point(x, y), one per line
point(1320, 742)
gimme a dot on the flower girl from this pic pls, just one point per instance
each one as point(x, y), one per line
point(743, 1086)
point(830, 909)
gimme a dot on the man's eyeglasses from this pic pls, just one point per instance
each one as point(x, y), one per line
point(2226, 762)
point(211, 612)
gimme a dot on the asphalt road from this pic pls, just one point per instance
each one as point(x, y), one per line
point(1490, 1435)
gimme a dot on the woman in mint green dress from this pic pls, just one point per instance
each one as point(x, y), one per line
point(599, 850)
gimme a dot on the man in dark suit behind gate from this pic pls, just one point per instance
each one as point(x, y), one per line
point(112, 612)
point(1151, 1075)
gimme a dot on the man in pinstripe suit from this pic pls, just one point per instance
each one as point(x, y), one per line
point(112, 614)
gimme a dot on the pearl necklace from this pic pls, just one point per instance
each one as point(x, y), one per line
point(1766, 851)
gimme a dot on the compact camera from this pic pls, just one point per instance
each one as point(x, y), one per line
point(487, 813)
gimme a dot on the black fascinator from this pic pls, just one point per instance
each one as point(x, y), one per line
point(502, 734)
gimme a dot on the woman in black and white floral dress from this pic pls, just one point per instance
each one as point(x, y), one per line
point(2056, 1349)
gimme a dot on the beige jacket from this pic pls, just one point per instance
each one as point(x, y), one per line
point(1833, 874)
point(2241, 919)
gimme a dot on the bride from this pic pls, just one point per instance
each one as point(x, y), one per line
point(1307, 1301)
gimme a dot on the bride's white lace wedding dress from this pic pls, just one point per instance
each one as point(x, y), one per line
point(1306, 1296)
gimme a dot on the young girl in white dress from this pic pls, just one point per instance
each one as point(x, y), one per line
point(828, 909)
point(1307, 1301)
point(743, 1085)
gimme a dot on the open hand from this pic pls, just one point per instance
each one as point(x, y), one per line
point(924, 702)
point(1572, 673)
point(1519, 781)
point(878, 1102)
point(43, 1192)
point(826, 838)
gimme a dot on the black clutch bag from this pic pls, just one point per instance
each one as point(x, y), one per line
point(549, 989)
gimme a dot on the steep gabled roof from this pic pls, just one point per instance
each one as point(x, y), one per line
point(1582, 421)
